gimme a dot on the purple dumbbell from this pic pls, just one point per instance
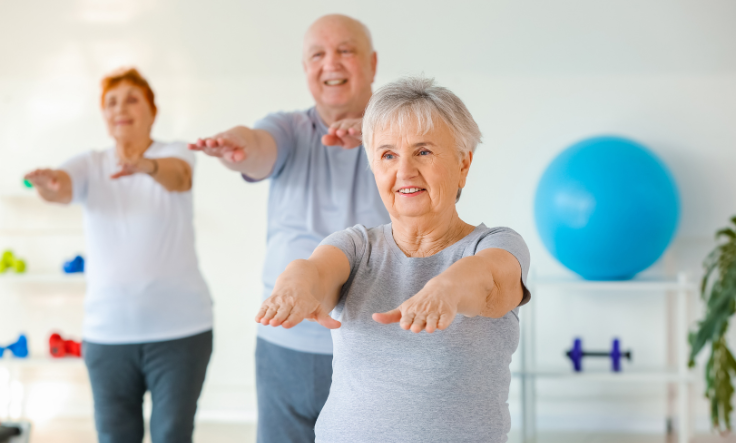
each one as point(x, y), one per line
point(576, 355)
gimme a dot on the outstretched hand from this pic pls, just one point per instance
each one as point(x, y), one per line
point(430, 309)
point(144, 165)
point(228, 145)
point(347, 133)
point(287, 307)
point(47, 179)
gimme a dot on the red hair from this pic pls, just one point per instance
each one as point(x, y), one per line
point(132, 76)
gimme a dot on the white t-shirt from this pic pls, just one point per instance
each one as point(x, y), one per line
point(143, 278)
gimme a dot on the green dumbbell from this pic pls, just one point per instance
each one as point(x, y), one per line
point(19, 266)
point(8, 258)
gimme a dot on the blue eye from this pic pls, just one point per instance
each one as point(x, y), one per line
point(388, 156)
point(424, 152)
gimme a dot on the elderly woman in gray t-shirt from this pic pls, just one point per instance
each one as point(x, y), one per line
point(427, 271)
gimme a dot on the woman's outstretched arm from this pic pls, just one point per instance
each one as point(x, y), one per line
point(174, 174)
point(53, 185)
point(307, 290)
point(487, 284)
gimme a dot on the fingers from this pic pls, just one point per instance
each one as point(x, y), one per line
point(330, 140)
point(416, 318)
point(386, 318)
point(431, 322)
point(346, 133)
point(273, 314)
point(220, 146)
point(407, 319)
point(445, 321)
point(120, 173)
point(44, 178)
point(325, 320)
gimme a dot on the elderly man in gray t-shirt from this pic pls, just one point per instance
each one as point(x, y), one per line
point(320, 184)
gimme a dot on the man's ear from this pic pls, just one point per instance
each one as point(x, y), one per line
point(374, 65)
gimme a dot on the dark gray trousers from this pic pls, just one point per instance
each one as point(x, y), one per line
point(292, 387)
point(173, 370)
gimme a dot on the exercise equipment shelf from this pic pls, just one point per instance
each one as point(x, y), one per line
point(675, 372)
point(633, 376)
point(51, 278)
point(12, 362)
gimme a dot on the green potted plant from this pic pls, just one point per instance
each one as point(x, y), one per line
point(718, 290)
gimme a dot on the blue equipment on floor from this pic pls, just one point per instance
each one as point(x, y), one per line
point(576, 355)
point(18, 349)
point(607, 208)
point(74, 265)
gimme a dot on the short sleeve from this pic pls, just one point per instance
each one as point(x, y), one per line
point(281, 127)
point(78, 168)
point(176, 150)
point(351, 241)
point(510, 240)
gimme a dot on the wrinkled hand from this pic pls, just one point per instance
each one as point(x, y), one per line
point(228, 145)
point(144, 165)
point(289, 305)
point(45, 179)
point(432, 308)
point(347, 133)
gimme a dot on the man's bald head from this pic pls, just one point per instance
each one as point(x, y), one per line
point(340, 64)
point(334, 22)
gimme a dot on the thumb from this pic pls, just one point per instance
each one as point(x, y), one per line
point(325, 320)
point(393, 316)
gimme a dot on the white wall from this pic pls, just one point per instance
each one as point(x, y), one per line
point(536, 75)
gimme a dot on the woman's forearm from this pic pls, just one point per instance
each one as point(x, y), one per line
point(174, 174)
point(307, 274)
point(486, 284)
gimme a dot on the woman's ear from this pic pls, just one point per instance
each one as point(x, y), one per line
point(465, 162)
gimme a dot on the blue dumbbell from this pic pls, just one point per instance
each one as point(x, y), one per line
point(74, 265)
point(576, 355)
point(19, 348)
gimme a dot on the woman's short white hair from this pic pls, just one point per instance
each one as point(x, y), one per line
point(418, 99)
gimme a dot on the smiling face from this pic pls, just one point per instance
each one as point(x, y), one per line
point(418, 175)
point(340, 64)
point(127, 113)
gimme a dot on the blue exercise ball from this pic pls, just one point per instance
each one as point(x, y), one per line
point(607, 208)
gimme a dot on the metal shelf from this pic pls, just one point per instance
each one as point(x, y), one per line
point(13, 362)
point(632, 375)
point(51, 278)
point(676, 372)
point(651, 284)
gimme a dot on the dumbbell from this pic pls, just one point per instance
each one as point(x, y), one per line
point(74, 265)
point(576, 355)
point(10, 261)
point(59, 348)
point(19, 348)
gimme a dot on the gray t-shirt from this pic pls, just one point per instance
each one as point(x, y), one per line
point(391, 385)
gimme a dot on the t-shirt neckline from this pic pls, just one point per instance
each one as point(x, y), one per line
point(462, 243)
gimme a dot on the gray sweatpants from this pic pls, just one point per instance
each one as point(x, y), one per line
point(292, 387)
point(172, 370)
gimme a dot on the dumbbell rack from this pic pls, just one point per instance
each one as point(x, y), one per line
point(39, 226)
point(676, 374)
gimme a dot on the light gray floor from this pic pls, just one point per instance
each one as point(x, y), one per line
point(82, 431)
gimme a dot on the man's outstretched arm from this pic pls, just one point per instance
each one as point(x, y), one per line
point(249, 151)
